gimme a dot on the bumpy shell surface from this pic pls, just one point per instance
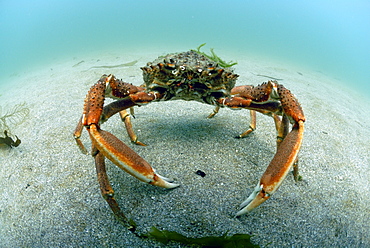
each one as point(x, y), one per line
point(188, 76)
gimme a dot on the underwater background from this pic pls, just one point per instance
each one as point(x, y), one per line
point(332, 37)
point(53, 51)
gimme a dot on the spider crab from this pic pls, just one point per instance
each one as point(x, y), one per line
point(189, 76)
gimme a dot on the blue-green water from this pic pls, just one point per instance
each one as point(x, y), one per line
point(328, 36)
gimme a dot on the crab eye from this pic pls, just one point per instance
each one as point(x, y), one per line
point(174, 72)
point(182, 68)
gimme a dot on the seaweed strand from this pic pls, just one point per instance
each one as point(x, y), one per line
point(214, 57)
point(14, 117)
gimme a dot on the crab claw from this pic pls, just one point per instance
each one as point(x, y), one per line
point(254, 200)
point(277, 170)
point(126, 159)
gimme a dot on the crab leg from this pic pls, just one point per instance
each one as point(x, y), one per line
point(214, 112)
point(277, 170)
point(125, 117)
point(126, 158)
point(77, 135)
point(252, 125)
point(105, 187)
point(288, 145)
point(282, 127)
point(108, 144)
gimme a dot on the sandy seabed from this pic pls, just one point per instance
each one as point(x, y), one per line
point(49, 194)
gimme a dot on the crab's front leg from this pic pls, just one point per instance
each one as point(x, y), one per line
point(288, 144)
point(277, 170)
point(108, 144)
point(286, 154)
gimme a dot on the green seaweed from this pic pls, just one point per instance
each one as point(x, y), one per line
point(214, 57)
point(234, 241)
point(164, 237)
